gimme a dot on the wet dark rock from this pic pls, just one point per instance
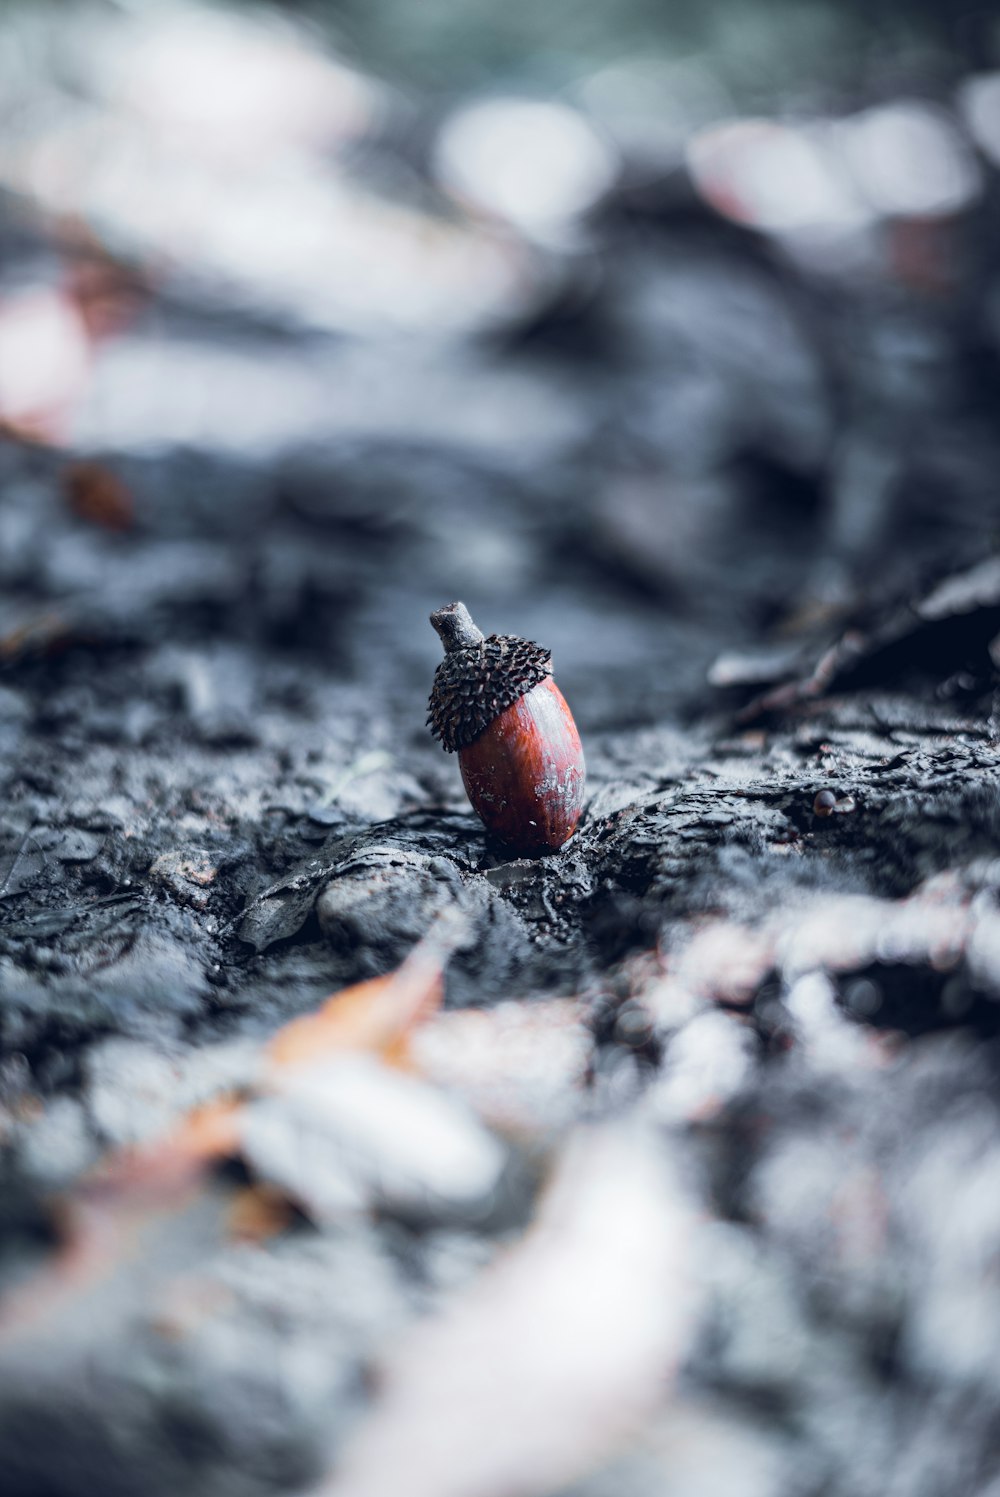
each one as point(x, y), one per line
point(382, 898)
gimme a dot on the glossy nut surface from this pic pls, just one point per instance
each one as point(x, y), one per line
point(525, 773)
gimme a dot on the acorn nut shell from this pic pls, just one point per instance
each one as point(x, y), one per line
point(495, 704)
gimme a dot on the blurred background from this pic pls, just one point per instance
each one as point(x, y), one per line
point(667, 336)
point(683, 319)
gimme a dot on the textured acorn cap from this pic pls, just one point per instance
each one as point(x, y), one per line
point(479, 677)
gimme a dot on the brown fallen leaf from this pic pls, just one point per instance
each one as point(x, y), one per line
point(376, 1016)
point(169, 1165)
point(139, 1193)
point(118, 1207)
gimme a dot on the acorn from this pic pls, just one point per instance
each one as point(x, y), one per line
point(495, 704)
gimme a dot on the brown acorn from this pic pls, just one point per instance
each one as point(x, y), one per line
point(495, 703)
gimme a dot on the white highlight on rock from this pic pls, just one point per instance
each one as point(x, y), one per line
point(536, 164)
point(554, 1353)
point(775, 177)
point(909, 160)
point(979, 105)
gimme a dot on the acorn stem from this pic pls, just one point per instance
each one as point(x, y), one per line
point(455, 627)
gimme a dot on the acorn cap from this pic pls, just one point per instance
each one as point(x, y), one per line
point(479, 677)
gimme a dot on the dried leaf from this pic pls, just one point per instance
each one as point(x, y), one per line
point(121, 1217)
point(125, 1199)
point(377, 1015)
point(161, 1169)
